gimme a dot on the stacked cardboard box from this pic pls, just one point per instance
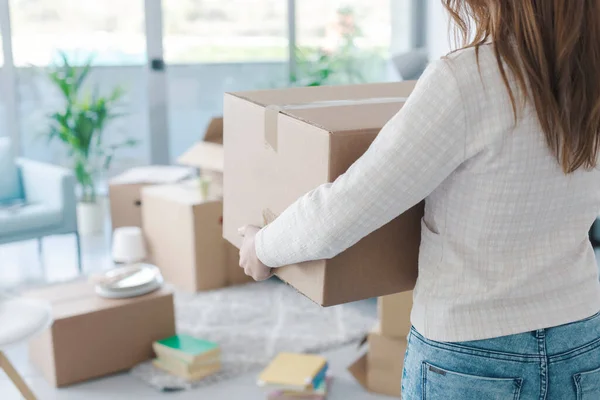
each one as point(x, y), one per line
point(207, 155)
point(125, 191)
point(183, 230)
point(183, 222)
point(380, 369)
point(281, 144)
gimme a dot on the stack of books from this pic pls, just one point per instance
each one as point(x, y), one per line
point(187, 357)
point(296, 376)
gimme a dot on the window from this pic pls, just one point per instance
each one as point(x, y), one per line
point(345, 41)
point(325, 23)
point(201, 31)
point(112, 31)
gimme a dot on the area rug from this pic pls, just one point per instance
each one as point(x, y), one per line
point(254, 322)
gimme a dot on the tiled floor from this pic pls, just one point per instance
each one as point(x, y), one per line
point(20, 265)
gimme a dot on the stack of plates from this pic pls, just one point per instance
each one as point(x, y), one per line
point(129, 281)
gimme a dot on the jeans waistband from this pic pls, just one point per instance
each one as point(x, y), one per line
point(560, 342)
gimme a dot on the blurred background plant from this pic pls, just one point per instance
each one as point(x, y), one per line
point(341, 61)
point(81, 122)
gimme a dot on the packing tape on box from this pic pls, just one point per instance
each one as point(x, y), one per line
point(272, 112)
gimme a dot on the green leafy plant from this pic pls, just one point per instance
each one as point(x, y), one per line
point(345, 64)
point(317, 67)
point(81, 123)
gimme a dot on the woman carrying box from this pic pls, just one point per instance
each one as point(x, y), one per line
point(501, 138)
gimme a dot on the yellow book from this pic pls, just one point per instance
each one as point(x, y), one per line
point(189, 349)
point(192, 375)
point(297, 372)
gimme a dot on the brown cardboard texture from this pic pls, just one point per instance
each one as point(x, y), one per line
point(125, 191)
point(280, 144)
point(385, 363)
point(359, 371)
point(93, 337)
point(394, 314)
point(184, 235)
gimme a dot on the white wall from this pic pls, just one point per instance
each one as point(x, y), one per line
point(438, 34)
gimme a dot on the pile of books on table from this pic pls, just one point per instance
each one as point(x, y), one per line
point(297, 377)
point(187, 357)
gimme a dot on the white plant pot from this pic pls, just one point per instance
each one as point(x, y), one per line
point(90, 218)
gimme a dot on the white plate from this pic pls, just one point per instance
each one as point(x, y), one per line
point(138, 279)
point(132, 292)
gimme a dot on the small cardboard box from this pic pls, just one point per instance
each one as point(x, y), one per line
point(394, 314)
point(380, 369)
point(124, 191)
point(207, 155)
point(281, 144)
point(185, 237)
point(93, 337)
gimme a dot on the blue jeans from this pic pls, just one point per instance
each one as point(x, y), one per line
point(561, 363)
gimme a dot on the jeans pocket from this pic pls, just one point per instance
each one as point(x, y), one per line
point(439, 383)
point(588, 385)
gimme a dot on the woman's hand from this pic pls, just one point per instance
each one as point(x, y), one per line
point(248, 259)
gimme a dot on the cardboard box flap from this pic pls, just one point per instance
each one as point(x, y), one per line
point(207, 154)
point(359, 370)
point(304, 95)
point(189, 193)
point(293, 99)
point(320, 114)
point(154, 174)
point(80, 297)
point(214, 131)
point(204, 155)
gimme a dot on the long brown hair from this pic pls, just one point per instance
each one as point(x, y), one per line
point(552, 49)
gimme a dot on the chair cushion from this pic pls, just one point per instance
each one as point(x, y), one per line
point(20, 319)
point(10, 182)
point(28, 218)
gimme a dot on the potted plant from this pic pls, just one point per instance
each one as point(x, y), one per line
point(80, 126)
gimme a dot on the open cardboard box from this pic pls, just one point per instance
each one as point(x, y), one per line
point(125, 191)
point(207, 155)
point(379, 370)
point(280, 144)
point(184, 233)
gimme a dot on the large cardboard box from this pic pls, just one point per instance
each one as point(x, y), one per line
point(394, 314)
point(380, 369)
point(207, 155)
point(280, 144)
point(184, 233)
point(92, 337)
point(125, 191)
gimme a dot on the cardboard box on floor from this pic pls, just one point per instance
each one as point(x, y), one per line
point(184, 234)
point(394, 314)
point(207, 155)
point(380, 369)
point(93, 337)
point(124, 191)
point(280, 144)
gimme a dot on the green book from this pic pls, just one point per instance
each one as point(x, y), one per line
point(187, 348)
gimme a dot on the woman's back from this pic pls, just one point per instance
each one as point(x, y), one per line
point(504, 244)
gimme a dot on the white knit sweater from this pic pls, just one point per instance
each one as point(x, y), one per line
point(504, 245)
